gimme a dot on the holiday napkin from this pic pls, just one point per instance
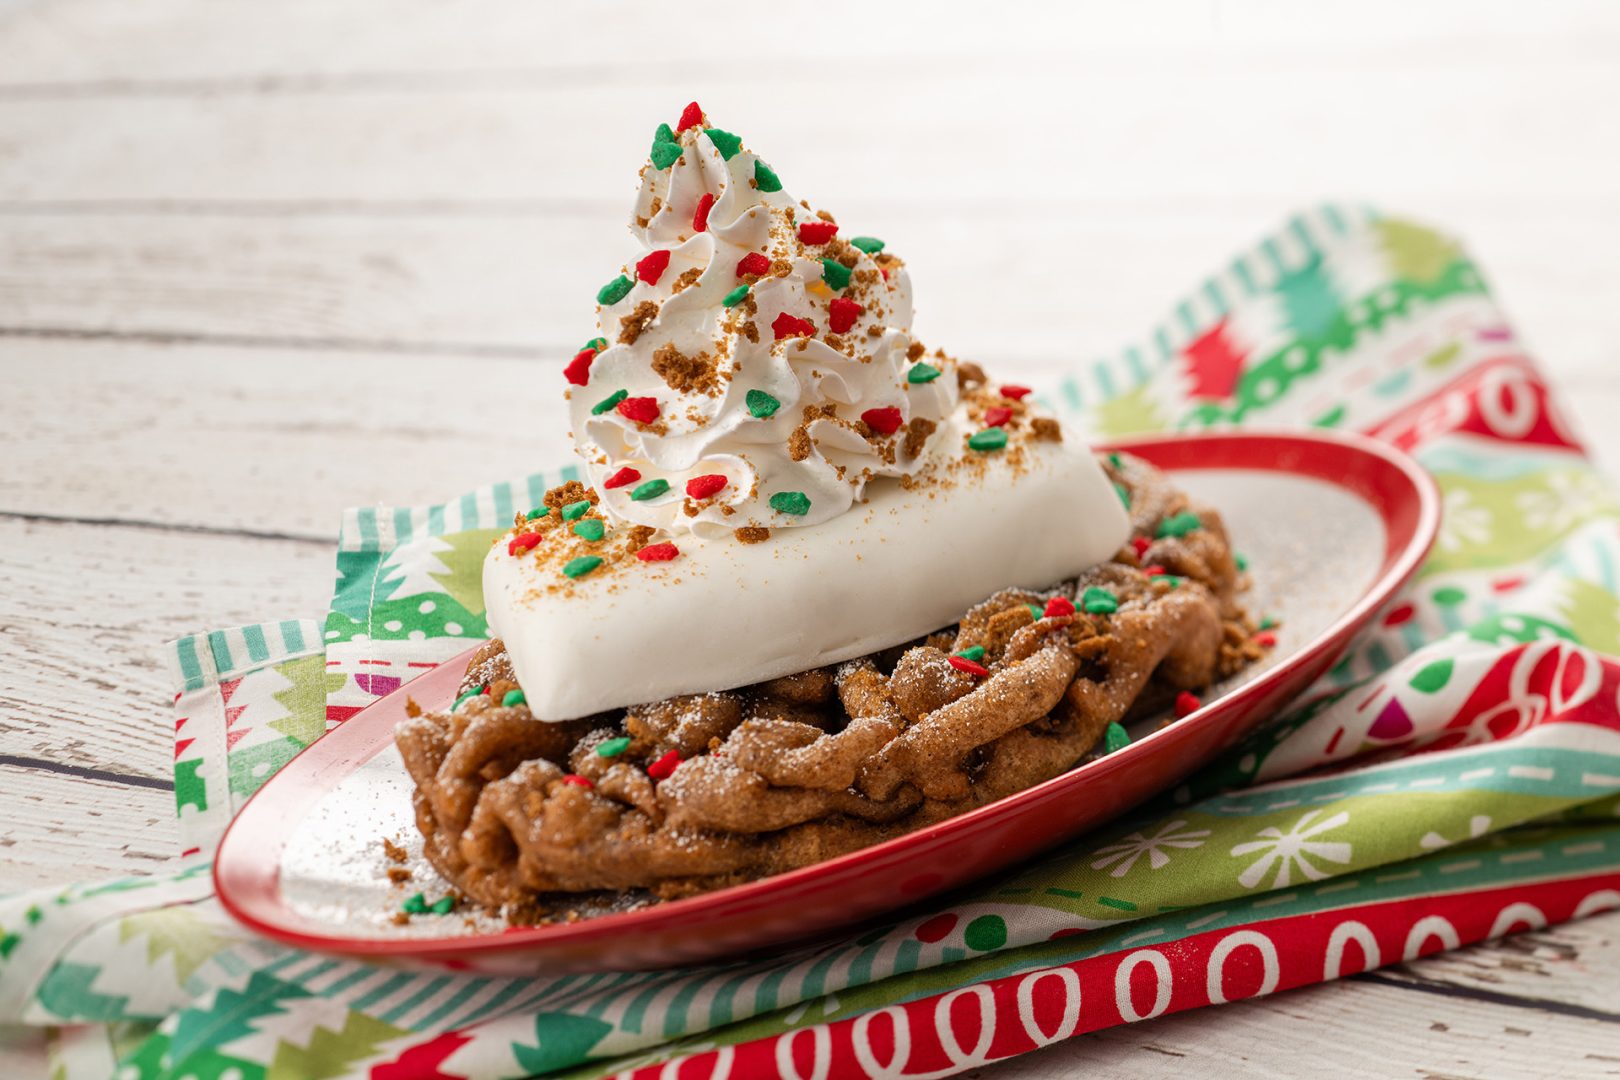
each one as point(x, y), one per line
point(1455, 777)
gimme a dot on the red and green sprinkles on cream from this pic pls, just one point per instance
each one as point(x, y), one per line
point(578, 568)
point(817, 232)
point(691, 116)
point(610, 402)
point(997, 416)
point(623, 478)
point(706, 486)
point(753, 263)
point(883, 421)
point(523, 542)
point(643, 410)
point(786, 326)
point(725, 142)
point(765, 178)
point(576, 510)
point(869, 244)
point(796, 503)
point(1015, 392)
point(988, 440)
point(835, 274)
point(842, 313)
point(735, 296)
point(761, 406)
point(650, 490)
point(920, 373)
point(700, 216)
point(614, 291)
point(665, 150)
point(658, 552)
point(652, 267)
point(591, 529)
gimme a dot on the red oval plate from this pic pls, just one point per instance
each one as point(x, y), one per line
point(1332, 525)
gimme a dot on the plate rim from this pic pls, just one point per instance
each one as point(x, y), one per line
point(245, 889)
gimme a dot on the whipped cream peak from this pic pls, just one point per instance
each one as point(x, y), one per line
point(756, 366)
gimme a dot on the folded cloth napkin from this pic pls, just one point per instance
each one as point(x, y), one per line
point(1456, 777)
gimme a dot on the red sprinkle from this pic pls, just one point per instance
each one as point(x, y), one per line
point(691, 116)
point(705, 487)
point(578, 370)
point(1017, 393)
point(577, 780)
point(622, 478)
point(884, 421)
point(1154, 571)
point(787, 326)
point(753, 263)
point(962, 663)
point(643, 410)
point(658, 552)
point(1141, 544)
point(996, 415)
point(700, 217)
point(842, 313)
point(651, 268)
point(1187, 704)
point(665, 766)
point(817, 232)
point(1265, 639)
point(523, 542)
point(1058, 606)
point(885, 270)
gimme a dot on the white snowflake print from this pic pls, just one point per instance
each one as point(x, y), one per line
point(1463, 522)
point(1567, 498)
point(1125, 852)
point(1293, 849)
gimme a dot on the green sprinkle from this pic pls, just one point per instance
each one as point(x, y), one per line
point(835, 274)
point(1123, 493)
point(614, 291)
point(725, 142)
point(1035, 610)
point(597, 343)
point(989, 439)
point(764, 178)
point(650, 490)
point(1179, 524)
point(1268, 623)
point(514, 697)
point(869, 244)
point(609, 402)
point(922, 373)
point(464, 698)
point(796, 503)
point(590, 529)
point(1241, 560)
point(1116, 461)
point(1097, 601)
point(735, 296)
point(1171, 580)
point(444, 906)
point(665, 154)
point(975, 654)
point(761, 404)
point(1115, 738)
point(576, 510)
point(664, 134)
point(416, 904)
point(578, 568)
point(537, 512)
point(613, 747)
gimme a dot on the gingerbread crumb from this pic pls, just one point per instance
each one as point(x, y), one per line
point(753, 534)
point(1046, 429)
point(632, 325)
point(570, 492)
point(398, 875)
point(685, 374)
point(394, 852)
point(412, 709)
point(917, 432)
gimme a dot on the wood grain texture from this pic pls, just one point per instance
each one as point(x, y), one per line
point(62, 828)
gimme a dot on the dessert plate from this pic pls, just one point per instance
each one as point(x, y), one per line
point(1332, 526)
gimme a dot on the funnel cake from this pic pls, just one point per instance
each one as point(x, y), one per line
point(692, 793)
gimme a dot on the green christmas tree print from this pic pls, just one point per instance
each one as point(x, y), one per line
point(332, 1054)
point(305, 698)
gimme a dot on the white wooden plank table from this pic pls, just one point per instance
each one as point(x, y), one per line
point(252, 257)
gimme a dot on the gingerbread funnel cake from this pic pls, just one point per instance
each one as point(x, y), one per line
point(822, 588)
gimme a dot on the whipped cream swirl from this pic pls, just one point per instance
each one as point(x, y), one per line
point(754, 342)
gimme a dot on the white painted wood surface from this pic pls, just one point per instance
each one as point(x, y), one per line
point(254, 258)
